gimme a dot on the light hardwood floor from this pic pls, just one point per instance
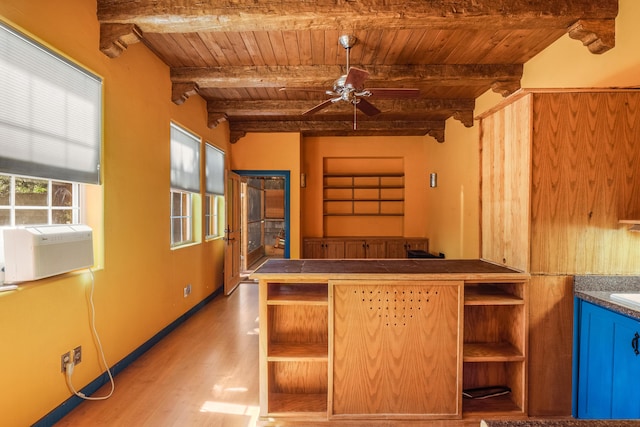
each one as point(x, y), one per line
point(205, 373)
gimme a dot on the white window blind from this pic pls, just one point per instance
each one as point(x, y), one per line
point(185, 160)
point(215, 170)
point(50, 113)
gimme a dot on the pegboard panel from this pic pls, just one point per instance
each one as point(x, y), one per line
point(395, 348)
point(398, 306)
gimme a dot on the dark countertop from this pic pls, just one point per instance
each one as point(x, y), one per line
point(598, 290)
point(560, 423)
point(414, 268)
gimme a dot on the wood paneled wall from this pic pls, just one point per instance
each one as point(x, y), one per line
point(586, 164)
point(506, 160)
point(559, 170)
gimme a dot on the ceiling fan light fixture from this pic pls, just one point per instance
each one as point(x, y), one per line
point(350, 88)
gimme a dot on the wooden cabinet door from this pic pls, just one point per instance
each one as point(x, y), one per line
point(354, 249)
point(396, 248)
point(334, 249)
point(608, 367)
point(417, 244)
point(375, 249)
point(396, 349)
point(313, 248)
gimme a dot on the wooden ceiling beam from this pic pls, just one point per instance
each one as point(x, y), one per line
point(439, 109)
point(340, 128)
point(323, 76)
point(169, 16)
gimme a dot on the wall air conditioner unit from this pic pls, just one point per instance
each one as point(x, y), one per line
point(36, 252)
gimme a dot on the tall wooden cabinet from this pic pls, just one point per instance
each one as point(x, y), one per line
point(559, 170)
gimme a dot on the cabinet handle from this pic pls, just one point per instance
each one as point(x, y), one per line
point(634, 343)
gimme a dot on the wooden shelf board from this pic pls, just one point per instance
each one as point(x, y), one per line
point(364, 214)
point(364, 175)
point(362, 187)
point(489, 295)
point(491, 406)
point(299, 294)
point(298, 403)
point(308, 352)
point(491, 352)
point(364, 200)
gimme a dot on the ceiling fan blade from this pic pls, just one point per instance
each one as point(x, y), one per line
point(368, 108)
point(319, 107)
point(356, 78)
point(383, 92)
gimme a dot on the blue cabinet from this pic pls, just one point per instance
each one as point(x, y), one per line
point(608, 364)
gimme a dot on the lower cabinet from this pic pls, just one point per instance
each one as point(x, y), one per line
point(361, 247)
point(608, 364)
point(319, 248)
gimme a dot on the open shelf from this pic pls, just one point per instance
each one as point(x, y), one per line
point(491, 352)
point(491, 406)
point(494, 344)
point(488, 294)
point(317, 351)
point(379, 194)
point(291, 404)
point(297, 293)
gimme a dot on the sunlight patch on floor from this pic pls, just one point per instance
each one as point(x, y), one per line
point(233, 409)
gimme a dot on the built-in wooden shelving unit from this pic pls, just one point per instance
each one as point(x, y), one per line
point(371, 194)
point(494, 346)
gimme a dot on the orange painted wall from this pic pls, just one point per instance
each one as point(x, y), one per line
point(274, 151)
point(139, 280)
point(412, 151)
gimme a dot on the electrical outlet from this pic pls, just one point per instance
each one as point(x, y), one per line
point(64, 359)
point(187, 290)
point(77, 355)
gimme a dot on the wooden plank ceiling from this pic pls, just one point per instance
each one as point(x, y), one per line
point(239, 54)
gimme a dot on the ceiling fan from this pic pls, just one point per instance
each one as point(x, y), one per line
point(350, 88)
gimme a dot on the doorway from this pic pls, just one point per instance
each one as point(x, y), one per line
point(264, 217)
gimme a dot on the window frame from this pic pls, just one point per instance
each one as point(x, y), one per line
point(183, 184)
point(214, 159)
point(77, 207)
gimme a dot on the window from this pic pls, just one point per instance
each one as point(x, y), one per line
point(50, 133)
point(212, 217)
point(34, 201)
point(181, 218)
point(185, 184)
point(50, 113)
point(215, 191)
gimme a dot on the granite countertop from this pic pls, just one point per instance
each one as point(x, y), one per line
point(560, 423)
point(598, 290)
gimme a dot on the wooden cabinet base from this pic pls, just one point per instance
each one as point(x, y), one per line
point(381, 342)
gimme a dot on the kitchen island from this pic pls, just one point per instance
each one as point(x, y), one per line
point(344, 341)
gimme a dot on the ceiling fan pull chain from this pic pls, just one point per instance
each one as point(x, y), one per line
point(354, 116)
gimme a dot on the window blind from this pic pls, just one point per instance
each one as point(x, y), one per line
point(214, 170)
point(185, 160)
point(50, 113)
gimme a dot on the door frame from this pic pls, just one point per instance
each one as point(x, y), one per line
point(287, 187)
